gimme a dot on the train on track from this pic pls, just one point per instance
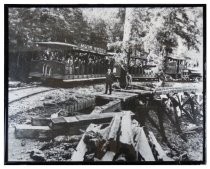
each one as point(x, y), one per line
point(68, 63)
point(176, 67)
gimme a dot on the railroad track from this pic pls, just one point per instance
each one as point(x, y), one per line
point(21, 88)
point(17, 95)
point(165, 90)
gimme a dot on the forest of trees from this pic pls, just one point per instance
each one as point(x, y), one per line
point(160, 31)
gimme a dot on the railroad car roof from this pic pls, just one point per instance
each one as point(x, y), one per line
point(74, 47)
point(55, 44)
point(176, 58)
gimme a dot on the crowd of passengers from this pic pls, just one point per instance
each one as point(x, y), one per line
point(82, 65)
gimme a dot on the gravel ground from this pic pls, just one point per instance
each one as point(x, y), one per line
point(18, 113)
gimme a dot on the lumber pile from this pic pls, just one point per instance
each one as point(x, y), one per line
point(122, 140)
point(48, 128)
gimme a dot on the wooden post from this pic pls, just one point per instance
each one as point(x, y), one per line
point(192, 115)
point(161, 154)
point(175, 103)
point(142, 146)
point(160, 114)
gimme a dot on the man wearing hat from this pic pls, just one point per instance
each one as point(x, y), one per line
point(109, 80)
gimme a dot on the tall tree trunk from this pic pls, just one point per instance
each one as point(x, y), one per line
point(127, 24)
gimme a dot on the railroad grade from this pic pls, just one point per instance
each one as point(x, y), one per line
point(22, 93)
point(21, 88)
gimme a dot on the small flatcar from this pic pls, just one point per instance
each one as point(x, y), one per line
point(141, 69)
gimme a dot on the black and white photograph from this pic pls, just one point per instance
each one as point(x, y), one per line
point(105, 84)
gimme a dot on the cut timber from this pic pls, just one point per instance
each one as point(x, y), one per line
point(126, 136)
point(142, 146)
point(166, 90)
point(78, 154)
point(109, 156)
point(83, 103)
point(40, 121)
point(191, 128)
point(161, 154)
point(110, 131)
point(111, 135)
point(123, 96)
point(136, 91)
point(32, 132)
point(114, 127)
point(109, 107)
point(66, 122)
point(85, 79)
point(142, 87)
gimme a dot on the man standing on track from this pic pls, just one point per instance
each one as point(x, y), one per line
point(109, 81)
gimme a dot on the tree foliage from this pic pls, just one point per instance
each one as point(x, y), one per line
point(28, 25)
point(161, 31)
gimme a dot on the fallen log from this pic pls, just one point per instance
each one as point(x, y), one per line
point(111, 137)
point(67, 122)
point(142, 146)
point(161, 154)
point(122, 140)
point(32, 132)
point(78, 154)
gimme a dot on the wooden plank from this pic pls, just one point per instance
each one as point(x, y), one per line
point(63, 122)
point(40, 121)
point(111, 134)
point(188, 129)
point(126, 136)
point(142, 145)
point(114, 127)
point(78, 154)
point(109, 107)
point(84, 79)
point(109, 156)
point(165, 90)
point(32, 132)
point(161, 154)
point(123, 96)
point(142, 87)
point(136, 91)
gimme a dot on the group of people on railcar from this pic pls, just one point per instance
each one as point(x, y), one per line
point(82, 66)
point(53, 56)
